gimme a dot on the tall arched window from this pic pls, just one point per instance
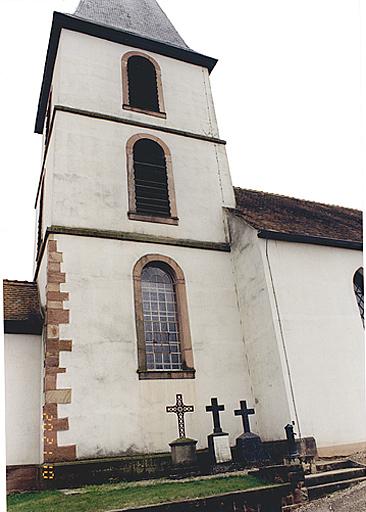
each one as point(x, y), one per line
point(163, 335)
point(358, 285)
point(150, 180)
point(142, 87)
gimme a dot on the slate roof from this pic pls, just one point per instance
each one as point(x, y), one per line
point(22, 310)
point(142, 17)
point(288, 215)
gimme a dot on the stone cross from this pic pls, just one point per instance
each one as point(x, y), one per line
point(244, 412)
point(215, 408)
point(180, 409)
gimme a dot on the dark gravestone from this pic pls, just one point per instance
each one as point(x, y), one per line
point(218, 442)
point(293, 452)
point(183, 449)
point(249, 447)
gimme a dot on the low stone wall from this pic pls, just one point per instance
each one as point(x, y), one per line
point(264, 499)
point(278, 450)
point(22, 478)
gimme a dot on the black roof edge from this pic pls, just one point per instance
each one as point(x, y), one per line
point(307, 239)
point(77, 24)
point(30, 326)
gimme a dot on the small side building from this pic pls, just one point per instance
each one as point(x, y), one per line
point(23, 323)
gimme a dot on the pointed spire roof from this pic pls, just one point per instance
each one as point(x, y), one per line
point(144, 18)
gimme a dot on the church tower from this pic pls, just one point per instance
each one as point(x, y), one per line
point(133, 260)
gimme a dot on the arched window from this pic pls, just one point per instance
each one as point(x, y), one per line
point(150, 180)
point(142, 88)
point(163, 335)
point(358, 285)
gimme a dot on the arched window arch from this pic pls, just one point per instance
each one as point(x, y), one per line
point(162, 326)
point(150, 180)
point(358, 285)
point(142, 86)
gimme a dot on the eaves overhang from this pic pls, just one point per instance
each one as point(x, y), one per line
point(307, 239)
point(76, 24)
point(27, 326)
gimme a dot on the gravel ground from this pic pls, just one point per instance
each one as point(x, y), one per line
point(352, 499)
point(359, 457)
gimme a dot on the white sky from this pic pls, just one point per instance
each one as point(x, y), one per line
point(287, 91)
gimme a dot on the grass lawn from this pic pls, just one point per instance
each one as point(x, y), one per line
point(100, 498)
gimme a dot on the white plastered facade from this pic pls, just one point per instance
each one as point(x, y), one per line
point(304, 336)
point(23, 375)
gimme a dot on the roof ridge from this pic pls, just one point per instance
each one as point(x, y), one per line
point(274, 194)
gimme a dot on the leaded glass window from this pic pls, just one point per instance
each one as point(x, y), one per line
point(358, 284)
point(161, 325)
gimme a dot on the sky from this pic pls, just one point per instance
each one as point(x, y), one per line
point(287, 92)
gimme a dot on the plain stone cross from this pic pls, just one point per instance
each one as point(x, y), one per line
point(215, 408)
point(244, 412)
point(180, 409)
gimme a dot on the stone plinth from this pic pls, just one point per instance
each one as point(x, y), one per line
point(183, 452)
point(219, 448)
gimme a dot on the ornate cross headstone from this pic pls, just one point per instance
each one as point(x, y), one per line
point(183, 449)
point(180, 409)
point(215, 409)
point(244, 412)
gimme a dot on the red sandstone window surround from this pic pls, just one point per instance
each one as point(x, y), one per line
point(163, 335)
point(150, 180)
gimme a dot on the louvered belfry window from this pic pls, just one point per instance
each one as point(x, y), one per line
point(142, 84)
point(151, 182)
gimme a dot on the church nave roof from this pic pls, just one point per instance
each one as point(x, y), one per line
point(274, 214)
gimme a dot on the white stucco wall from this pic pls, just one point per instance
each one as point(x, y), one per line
point(88, 76)
point(270, 388)
point(23, 369)
point(86, 180)
point(324, 339)
point(112, 412)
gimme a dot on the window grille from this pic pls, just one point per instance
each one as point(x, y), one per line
point(358, 285)
point(142, 84)
point(151, 182)
point(161, 326)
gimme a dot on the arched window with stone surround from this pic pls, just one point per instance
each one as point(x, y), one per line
point(142, 86)
point(358, 285)
point(150, 180)
point(162, 326)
